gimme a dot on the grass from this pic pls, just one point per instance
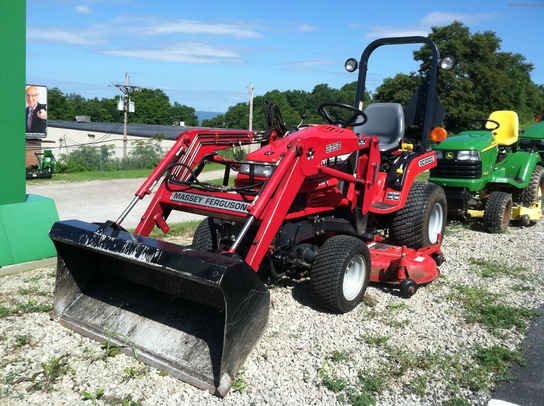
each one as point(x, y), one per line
point(415, 371)
point(483, 307)
point(177, 229)
point(493, 269)
point(240, 383)
point(31, 306)
point(108, 175)
point(50, 373)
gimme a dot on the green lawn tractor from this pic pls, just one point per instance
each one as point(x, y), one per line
point(46, 167)
point(492, 173)
point(533, 139)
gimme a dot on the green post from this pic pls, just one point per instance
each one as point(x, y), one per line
point(25, 220)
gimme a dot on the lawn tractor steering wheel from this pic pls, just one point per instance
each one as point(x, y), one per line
point(339, 122)
point(481, 124)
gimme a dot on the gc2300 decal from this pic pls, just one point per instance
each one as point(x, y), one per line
point(426, 161)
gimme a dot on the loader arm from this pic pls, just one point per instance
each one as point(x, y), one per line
point(191, 147)
point(305, 158)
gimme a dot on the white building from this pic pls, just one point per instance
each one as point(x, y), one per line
point(65, 136)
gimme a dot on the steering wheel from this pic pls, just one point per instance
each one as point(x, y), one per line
point(481, 124)
point(341, 123)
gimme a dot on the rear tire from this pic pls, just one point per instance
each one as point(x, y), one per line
point(497, 212)
point(207, 235)
point(533, 192)
point(340, 273)
point(422, 219)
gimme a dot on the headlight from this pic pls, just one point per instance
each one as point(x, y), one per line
point(468, 156)
point(259, 170)
point(439, 154)
point(351, 65)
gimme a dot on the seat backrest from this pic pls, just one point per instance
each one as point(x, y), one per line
point(508, 131)
point(385, 121)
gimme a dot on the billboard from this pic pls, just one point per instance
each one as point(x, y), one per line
point(36, 111)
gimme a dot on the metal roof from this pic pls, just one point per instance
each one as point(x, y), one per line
point(137, 130)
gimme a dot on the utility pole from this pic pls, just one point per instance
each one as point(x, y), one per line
point(126, 89)
point(250, 107)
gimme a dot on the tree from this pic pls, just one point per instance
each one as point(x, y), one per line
point(184, 113)
point(484, 79)
point(57, 105)
point(398, 89)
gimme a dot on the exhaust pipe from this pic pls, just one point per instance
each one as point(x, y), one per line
point(193, 314)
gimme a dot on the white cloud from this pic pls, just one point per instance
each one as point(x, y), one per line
point(423, 26)
point(309, 65)
point(151, 26)
point(439, 18)
point(83, 9)
point(45, 34)
point(186, 52)
point(307, 28)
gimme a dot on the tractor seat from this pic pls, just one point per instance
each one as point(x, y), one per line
point(385, 121)
point(508, 132)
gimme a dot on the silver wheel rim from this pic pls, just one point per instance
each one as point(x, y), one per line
point(435, 223)
point(354, 277)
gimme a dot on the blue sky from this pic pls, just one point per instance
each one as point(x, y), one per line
point(205, 54)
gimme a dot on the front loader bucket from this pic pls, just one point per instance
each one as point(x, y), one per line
point(193, 314)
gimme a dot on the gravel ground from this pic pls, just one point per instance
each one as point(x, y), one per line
point(417, 351)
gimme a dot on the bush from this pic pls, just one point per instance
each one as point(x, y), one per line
point(89, 158)
point(145, 154)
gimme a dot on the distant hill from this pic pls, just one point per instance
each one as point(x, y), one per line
point(206, 115)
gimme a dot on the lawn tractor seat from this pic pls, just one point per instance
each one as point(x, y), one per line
point(508, 132)
point(385, 121)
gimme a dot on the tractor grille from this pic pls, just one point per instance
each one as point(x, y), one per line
point(454, 169)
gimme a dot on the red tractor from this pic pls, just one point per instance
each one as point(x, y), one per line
point(337, 202)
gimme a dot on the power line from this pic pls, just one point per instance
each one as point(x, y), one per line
point(126, 89)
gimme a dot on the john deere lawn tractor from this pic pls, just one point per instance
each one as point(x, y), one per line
point(489, 174)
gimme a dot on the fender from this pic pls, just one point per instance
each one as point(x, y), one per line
point(403, 172)
point(517, 169)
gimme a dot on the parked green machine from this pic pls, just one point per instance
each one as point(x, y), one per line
point(533, 139)
point(46, 167)
point(492, 173)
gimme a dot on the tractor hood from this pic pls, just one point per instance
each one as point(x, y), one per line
point(535, 132)
point(274, 151)
point(467, 140)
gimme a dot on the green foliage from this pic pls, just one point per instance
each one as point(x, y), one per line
point(151, 107)
point(292, 104)
point(484, 80)
point(50, 373)
point(93, 397)
point(31, 306)
point(498, 361)
point(240, 383)
point(481, 307)
point(89, 158)
point(21, 339)
point(144, 154)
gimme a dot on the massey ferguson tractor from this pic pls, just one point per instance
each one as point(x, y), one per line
point(490, 173)
point(336, 203)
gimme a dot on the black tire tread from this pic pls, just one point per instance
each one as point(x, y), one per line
point(495, 212)
point(326, 276)
point(203, 239)
point(529, 194)
point(407, 225)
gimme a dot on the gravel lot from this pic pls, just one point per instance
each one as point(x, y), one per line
point(418, 351)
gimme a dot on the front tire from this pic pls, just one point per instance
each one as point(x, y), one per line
point(340, 273)
point(497, 212)
point(207, 235)
point(422, 220)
